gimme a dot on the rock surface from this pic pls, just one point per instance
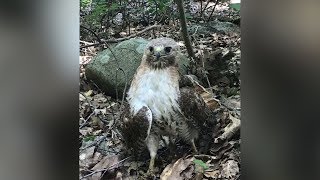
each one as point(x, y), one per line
point(111, 71)
point(215, 26)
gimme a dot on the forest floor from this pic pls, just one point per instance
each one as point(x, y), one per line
point(101, 151)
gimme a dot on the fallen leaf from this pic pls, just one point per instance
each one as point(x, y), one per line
point(105, 163)
point(211, 174)
point(88, 153)
point(178, 170)
point(86, 132)
point(102, 111)
point(229, 130)
point(81, 97)
point(230, 169)
point(86, 158)
point(88, 93)
point(95, 133)
point(84, 59)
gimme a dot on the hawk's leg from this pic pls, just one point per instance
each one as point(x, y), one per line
point(194, 148)
point(169, 142)
point(153, 146)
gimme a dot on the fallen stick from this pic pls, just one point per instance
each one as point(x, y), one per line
point(122, 39)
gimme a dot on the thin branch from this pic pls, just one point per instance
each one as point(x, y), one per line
point(85, 42)
point(87, 119)
point(105, 169)
point(99, 40)
point(122, 39)
point(204, 9)
point(97, 142)
point(214, 7)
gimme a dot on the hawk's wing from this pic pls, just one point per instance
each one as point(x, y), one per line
point(195, 101)
point(135, 129)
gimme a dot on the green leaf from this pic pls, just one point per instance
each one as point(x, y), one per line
point(199, 162)
point(235, 6)
point(114, 6)
point(188, 16)
point(89, 138)
point(85, 3)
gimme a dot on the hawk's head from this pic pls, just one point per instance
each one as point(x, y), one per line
point(161, 53)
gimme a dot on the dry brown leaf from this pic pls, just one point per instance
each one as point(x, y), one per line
point(181, 169)
point(229, 130)
point(230, 169)
point(101, 111)
point(86, 159)
point(88, 153)
point(97, 157)
point(211, 174)
point(98, 132)
point(84, 59)
point(86, 131)
point(105, 163)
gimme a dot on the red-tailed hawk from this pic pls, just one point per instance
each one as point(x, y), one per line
point(158, 106)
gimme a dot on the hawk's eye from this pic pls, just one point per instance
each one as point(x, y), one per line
point(167, 49)
point(151, 49)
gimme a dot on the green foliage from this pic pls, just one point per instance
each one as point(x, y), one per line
point(200, 163)
point(163, 5)
point(99, 9)
point(89, 138)
point(235, 6)
point(113, 7)
point(85, 3)
point(188, 15)
point(160, 6)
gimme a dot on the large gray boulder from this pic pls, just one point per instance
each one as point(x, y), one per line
point(111, 71)
point(215, 26)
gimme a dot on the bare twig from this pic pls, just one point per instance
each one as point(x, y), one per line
point(124, 90)
point(214, 7)
point(86, 121)
point(207, 78)
point(122, 39)
point(99, 40)
point(200, 8)
point(97, 142)
point(205, 7)
point(85, 42)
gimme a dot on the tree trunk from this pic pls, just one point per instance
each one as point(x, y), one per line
point(183, 23)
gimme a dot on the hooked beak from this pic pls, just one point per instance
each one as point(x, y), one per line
point(158, 55)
